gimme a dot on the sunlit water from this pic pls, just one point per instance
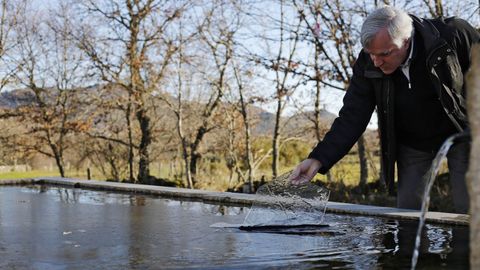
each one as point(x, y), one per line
point(63, 228)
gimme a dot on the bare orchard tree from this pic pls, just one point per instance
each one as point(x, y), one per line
point(235, 140)
point(177, 105)
point(436, 8)
point(108, 158)
point(280, 56)
point(202, 78)
point(467, 9)
point(48, 67)
point(331, 31)
point(242, 75)
point(285, 82)
point(110, 133)
point(131, 43)
point(10, 16)
point(227, 142)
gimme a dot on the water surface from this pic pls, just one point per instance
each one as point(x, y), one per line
point(44, 227)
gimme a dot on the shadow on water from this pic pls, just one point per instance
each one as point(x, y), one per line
point(430, 179)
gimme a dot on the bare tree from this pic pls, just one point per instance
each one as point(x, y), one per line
point(177, 105)
point(435, 9)
point(280, 61)
point(208, 63)
point(282, 67)
point(331, 25)
point(133, 48)
point(244, 111)
point(110, 145)
point(9, 18)
point(48, 65)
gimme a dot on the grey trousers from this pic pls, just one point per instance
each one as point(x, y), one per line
point(412, 165)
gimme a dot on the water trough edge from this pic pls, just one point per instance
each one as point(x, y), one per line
point(240, 198)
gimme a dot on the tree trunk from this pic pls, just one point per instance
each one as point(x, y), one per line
point(363, 162)
point(130, 141)
point(58, 160)
point(113, 166)
point(185, 156)
point(330, 177)
point(187, 168)
point(248, 140)
point(139, 94)
point(276, 139)
point(145, 141)
point(473, 174)
point(57, 154)
point(194, 158)
point(230, 176)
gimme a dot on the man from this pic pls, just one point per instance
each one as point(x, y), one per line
point(411, 70)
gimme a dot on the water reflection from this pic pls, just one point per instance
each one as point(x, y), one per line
point(439, 239)
point(138, 200)
point(440, 245)
point(75, 195)
point(81, 229)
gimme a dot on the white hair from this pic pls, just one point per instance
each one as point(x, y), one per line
point(398, 23)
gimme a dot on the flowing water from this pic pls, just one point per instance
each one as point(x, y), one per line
point(430, 179)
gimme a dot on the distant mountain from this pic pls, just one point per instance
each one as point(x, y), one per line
point(15, 98)
point(266, 120)
point(263, 121)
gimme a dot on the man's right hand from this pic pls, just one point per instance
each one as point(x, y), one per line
point(305, 171)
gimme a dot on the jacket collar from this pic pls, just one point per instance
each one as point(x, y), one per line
point(429, 33)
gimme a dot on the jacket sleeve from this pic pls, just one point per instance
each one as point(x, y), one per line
point(464, 37)
point(358, 106)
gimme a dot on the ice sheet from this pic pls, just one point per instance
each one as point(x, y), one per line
point(281, 203)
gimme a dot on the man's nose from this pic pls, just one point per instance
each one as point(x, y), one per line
point(377, 61)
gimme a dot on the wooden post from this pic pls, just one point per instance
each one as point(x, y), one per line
point(473, 174)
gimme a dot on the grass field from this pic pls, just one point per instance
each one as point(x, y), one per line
point(38, 173)
point(29, 174)
point(346, 171)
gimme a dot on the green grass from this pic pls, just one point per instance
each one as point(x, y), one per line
point(41, 173)
point(29, 174)
point(347, 171)
point(216, 177)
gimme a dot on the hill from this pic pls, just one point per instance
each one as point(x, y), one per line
point(264, 120)
point(15, 98)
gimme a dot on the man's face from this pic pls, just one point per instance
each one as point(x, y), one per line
point(385, 54)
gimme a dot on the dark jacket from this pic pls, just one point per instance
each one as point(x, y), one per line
point(448, 43)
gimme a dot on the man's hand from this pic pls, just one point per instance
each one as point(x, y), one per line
point(305, 171)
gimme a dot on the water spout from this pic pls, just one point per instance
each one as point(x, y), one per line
point(430, 179)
